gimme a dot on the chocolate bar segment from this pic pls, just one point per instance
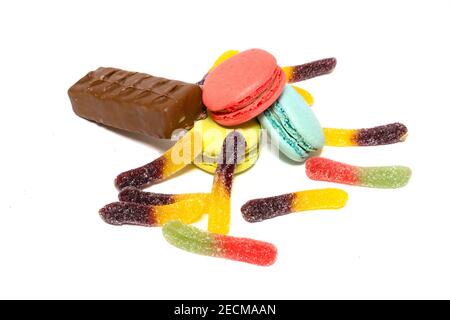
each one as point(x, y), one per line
point(137, 102)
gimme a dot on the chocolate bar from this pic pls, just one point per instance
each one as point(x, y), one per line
point(137, 102)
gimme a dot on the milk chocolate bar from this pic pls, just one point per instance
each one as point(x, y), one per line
point(137, 102)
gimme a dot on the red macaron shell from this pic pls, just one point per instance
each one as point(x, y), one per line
point(243, 86)
point(252, 110)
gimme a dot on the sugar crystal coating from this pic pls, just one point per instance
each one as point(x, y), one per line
point(193, 240)
point(309, 70)
point(380, 135)
point(188, 211)
point(161, 168)
point(132, 194)
point(120, 213)
point(142, 176)
point(246, 250)
point(332, 171)
point(375, 177)
point(189, 238)
point(233, 151)
point(387, 134)
point(384, 177)
point(319, 199)
point(267, 208)
point(127, 213)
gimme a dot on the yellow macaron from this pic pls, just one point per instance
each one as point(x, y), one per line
point(213, 135)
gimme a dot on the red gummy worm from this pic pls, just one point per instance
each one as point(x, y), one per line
point(246, 250)
point(332, 171)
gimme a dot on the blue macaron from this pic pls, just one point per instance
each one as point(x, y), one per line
point(291, 124)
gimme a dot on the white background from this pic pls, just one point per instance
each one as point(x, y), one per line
point(57, 169)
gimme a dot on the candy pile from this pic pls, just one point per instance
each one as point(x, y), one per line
point(244, 93)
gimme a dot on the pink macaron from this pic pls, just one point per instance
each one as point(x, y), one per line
point(242, 87)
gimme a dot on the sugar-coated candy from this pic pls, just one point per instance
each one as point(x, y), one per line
point(129, 213)
point(375, 177)
point(239, 87)
point(194, 240)
point(257, 210)
point(233, 151)
point(173, 160)
point(309, 70)
point(380, 135)
point(132, 194)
